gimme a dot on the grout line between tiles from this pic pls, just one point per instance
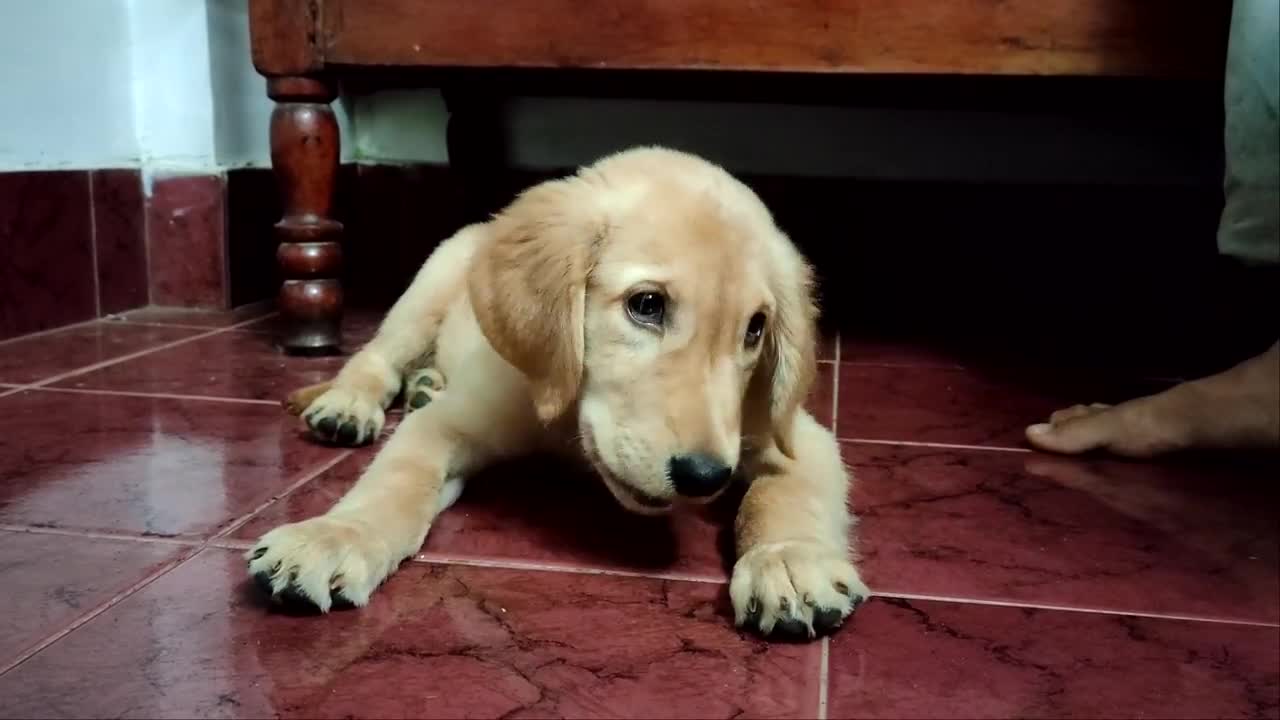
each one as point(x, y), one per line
point(502, 564)
point(177, 326)
point(147, 186)
point(100, 609)
point(306, 478)
point(835, 391)
point(135, 355)
point(905, 364)
point(99, 535)
point(225, 543)
point(944, 446)
point(93, 245)
point(1083, 610)
point(162, 396)
point(50, 331)
point(824, 677)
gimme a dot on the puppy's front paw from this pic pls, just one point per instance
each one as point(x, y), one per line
point(795, 590)
point(321, 563)
point(343, 417)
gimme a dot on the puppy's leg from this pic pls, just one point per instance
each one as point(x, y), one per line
point(794, 578)
point(351, 411)
point(340, 557)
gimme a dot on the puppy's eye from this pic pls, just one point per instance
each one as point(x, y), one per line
point(755, 330)
point(647, 308)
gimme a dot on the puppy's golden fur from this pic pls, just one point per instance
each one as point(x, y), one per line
point(523, 333)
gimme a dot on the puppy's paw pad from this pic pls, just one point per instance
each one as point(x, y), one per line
point(342, 417)
point(421, 387)
point(795, 591)
point(316, 565)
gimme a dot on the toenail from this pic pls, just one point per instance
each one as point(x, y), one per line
point(1040, 428)
point(327, 426)
point(347, 434)
point(263, 581)
point(340, 601)
point(827, 619)
point(791, 629)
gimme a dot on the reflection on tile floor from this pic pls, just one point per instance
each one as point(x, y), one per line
point(1011, 584)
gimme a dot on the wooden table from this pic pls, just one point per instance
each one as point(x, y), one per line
point(304, 46)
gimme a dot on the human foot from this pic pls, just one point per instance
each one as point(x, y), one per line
point(1238, 408)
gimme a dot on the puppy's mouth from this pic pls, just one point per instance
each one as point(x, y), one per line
point(632, 499)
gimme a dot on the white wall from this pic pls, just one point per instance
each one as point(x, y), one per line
point(241, 109)
point(66, 97)
point(172, 87)
point(161, 84)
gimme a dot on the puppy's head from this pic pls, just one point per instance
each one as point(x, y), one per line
point(652, 296)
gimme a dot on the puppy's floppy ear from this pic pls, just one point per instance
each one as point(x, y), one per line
point(528, 282)
point(788, 362)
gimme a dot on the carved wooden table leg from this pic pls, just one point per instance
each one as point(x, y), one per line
point(304, 155)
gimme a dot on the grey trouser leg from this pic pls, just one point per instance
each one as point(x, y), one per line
point(1250, 224)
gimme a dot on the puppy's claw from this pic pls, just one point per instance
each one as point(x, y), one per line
point(344, 418)
point(319, 564)
point(794, 591)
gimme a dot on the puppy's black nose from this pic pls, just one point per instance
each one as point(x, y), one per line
point(698, 475)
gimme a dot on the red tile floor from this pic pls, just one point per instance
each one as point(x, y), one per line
point(139, 456)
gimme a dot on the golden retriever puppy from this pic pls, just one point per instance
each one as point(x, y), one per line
point(645, 314)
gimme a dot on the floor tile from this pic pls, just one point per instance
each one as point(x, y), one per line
point(820, 403)
point(27, 360)
point(962, 406)
point(877, 351)
point(545, 511)
point(195, 317)
point(1184, 538)
point(436, 641)
point(233, 364)
point(1064, 353)
point(143, 465)
point(943, 660)
point(46, 251)
point(119, 237)
point(186, 221)
point(827, 342)
point(51, 580)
